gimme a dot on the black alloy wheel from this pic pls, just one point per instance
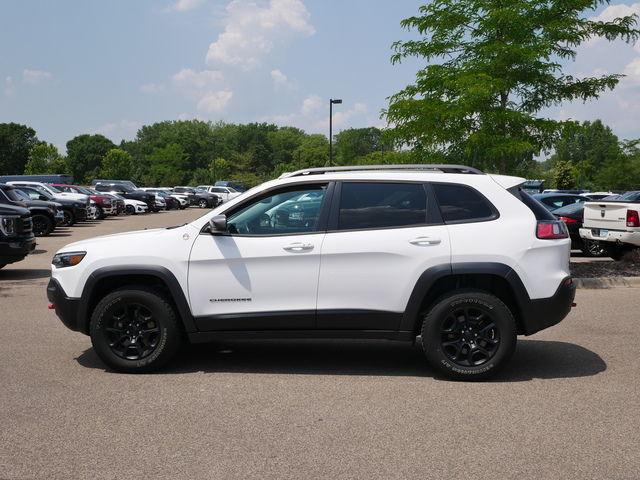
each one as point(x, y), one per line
point(135, 330)
point(469, 335)
point(42, 225)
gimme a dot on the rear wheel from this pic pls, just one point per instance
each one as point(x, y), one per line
point(593, 248)
point(468, 335)
point(202, 203)
point(135, 330)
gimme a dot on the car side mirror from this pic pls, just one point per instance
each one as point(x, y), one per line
point(218, 224)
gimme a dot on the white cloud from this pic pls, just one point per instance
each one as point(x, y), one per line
point(281, 83)
point(615, 11)
point(254, 31)
point(203, 87)
point(185, 5)
point(215, 102)
point(152, 88)
point(34, 77)
point(632, 72)
point(311, 105)
point(9, 90)
point(125, 130)
point(192, 80)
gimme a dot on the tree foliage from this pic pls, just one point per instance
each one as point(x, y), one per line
point(85, 154)
point(117, 165)
point(15, 143)
point(493, 65)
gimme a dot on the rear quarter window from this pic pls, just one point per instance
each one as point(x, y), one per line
point(460, 203)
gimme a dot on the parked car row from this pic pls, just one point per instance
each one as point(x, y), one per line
point(30, 209)
point(569, 207)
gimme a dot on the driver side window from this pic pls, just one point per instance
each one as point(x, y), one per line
point(286, 211)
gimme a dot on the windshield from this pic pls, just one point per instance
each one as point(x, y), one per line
point(569, 209)
point(53, 189)
point(629, 196)
point(17, 195)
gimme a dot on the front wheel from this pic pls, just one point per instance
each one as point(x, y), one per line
point(69, 220)
point(42, 225)
point(135, 330)
point(469, 335)
point(202, 203)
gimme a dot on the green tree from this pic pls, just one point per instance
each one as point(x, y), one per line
point(623, 171)
point(168, 166)
point(564, 178)
point(40, 157)
point(15, 143)
point(493, 65)
point(591, 147)
point(117, 165)
point(85, 154)
point(357, 142)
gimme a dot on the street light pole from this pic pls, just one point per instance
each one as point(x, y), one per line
point(331, 102)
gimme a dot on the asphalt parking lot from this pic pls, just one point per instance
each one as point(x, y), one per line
point(566, 407)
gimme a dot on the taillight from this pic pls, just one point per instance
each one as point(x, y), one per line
point(552, 229)
point(568, 220)
point(633, 220)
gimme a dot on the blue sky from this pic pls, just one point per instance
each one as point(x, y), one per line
point(69, 67)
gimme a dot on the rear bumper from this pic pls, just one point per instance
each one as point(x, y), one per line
point(614, 236)
point(544, 313)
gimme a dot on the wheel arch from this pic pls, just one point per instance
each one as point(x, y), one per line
point(495, 278)
point(107, 279)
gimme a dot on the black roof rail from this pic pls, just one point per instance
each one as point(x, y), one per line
point(444, 168)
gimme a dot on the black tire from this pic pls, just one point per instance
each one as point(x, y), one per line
point(615, 251)
point(593, 248)
point(42, 225)
point(469, 335)
point(129, 210)
point(135, 330)
point(203, 203)
point(69, 220)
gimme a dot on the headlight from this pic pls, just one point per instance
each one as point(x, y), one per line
point(8, 225)
point(68, 259)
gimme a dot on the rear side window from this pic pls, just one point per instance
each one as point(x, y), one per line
point(381, 205)
point(459, 203)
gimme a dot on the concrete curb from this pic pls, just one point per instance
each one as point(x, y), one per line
point(609, 282)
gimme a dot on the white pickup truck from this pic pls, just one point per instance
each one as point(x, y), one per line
point(225, 193)
point(615, 223)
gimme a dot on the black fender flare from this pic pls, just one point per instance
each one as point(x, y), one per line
point(429, 277)
point(162, 273)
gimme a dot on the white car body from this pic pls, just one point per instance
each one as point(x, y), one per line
point(325, 271)
point(225, 193)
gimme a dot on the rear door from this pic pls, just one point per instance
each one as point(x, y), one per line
point(380, 240)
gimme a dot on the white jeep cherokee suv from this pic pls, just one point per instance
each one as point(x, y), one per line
point(465, 260)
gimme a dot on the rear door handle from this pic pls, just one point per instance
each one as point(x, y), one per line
point(298, 246)
point(425, 241)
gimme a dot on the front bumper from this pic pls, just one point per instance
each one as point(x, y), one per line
point(16, 250)
point(66, 308)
